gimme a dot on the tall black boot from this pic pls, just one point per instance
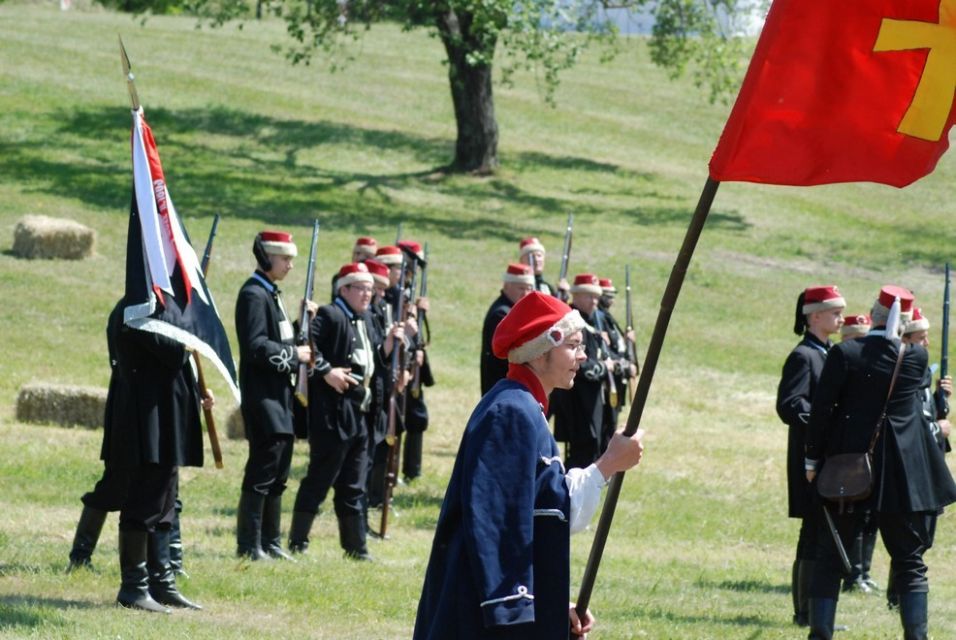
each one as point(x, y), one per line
point(376, 484)
point(822, 617)
point(869, 545)
point(176, 543)
point(162, 580)
point(299, 531)
point(914, 616)
point(134, 590)
point(412, 458)
point(87, 534)
point(249, 526)
point(801, 599)
point(271, 535)
point(352, 536)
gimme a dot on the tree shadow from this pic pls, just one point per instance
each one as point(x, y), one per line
point(738, 620)
point(225, 160)
point(27, 611)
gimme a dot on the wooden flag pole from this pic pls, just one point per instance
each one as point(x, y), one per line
point(668, 302)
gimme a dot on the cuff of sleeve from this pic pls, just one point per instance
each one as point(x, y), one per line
point(323, 368)
point(514, 609)
point(810, 465)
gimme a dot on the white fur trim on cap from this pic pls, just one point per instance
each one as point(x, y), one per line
point(280, 248)
point(532, 246)
point(832, 303)
point(351, 278)
point(570, 323)
point(587, 288)
point(520, 279)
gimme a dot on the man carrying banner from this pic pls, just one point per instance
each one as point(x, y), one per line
point(267, 359)
point(517, 282)
point(500, 563)
point(154, 429)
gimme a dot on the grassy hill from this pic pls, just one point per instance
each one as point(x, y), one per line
point(700, 546)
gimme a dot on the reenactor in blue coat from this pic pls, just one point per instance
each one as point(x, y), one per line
point(517, 282)
point(268, 358)
point(819, 314)
point(500, 561)
point(912, 481)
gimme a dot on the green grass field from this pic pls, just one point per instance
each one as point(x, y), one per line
point(700, 546)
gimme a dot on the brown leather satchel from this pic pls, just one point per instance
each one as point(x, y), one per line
point(848, 477)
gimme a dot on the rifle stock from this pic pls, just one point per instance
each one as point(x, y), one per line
point(392, 436)
point(302, 379)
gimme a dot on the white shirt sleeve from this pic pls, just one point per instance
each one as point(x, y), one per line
point(584, 487)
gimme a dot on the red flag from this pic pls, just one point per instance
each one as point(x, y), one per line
point(844, 91)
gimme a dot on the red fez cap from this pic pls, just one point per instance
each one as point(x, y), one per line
point(278, 243)
point(379, 271)
point(520, 273)
point(530, 244)
point(607, 286)
point(411, 245)
point(891, 292)
point(586, 283)
point(389, 255)
point(854, 326)
point(918, 323)
point(366, 245)
point(351, 273)
point(536, 324)
point(821, 298)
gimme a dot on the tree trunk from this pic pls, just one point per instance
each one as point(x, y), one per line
point(476, 148)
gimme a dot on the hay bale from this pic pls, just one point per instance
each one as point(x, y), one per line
point(44, 237)
point(66, 405)
point(235, 428)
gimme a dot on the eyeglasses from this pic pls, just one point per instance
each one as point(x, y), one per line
point(576, 347)
point(356, 287)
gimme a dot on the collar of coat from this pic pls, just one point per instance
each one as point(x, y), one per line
point(270, 286)
point(522, 374)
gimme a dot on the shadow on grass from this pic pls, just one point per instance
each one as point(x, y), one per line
point(729, 620)
point(25, 611)
point(251, 165)
point(747, 586)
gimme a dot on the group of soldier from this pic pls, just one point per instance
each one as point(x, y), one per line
point(364, 354)
point(869, 393)
point(585, 415)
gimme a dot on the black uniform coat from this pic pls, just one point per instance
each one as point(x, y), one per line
point(909, 470)
point(798, 383)
point(334, 339)
point(267, 360)
point(154, 419)
point(493, 368)
point(381, 385)
point(579, 411)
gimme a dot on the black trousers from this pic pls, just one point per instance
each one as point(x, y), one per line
point(109, 492)
point(151, 500)
point(267, 469)
point(338, 463)
point(906, 537)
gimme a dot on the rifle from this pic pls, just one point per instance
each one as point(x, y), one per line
point(302, 380)
point(611, 385)
point(565, 256)
point(629, 322)
point(200, 377)
point(393, 438)
point(423, 327)
point(942, 405)
point(398, 234)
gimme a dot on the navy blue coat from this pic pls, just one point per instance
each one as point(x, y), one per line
point(500, 562)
